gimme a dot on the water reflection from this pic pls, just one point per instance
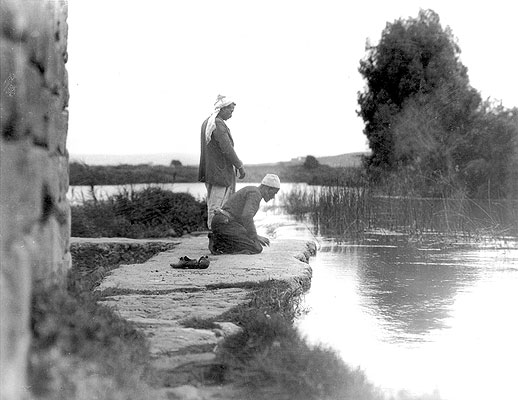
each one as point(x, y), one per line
point(420, 318)
point(409, 290)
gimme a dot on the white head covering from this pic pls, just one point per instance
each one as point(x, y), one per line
point(221, 101)
point(271, 180)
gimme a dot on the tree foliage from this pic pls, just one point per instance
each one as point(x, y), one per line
point(420, 111)
point(311, 162)
point(415, 64)
point(488, 157)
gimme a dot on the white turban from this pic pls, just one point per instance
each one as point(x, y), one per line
point(271, 180)
point(221, 101)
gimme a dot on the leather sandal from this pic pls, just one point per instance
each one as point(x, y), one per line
point(190, 263)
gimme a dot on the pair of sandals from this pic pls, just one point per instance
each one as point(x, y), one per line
point(190, 263)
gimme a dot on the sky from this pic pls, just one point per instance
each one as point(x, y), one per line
point(143, 75)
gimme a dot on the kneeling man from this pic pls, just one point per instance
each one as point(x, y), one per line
point(233, 228)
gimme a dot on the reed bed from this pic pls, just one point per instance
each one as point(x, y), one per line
point(342, 211)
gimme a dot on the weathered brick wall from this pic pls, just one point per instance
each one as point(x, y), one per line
point(34, 213)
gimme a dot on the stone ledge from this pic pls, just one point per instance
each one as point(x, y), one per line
point(197, 294)
point(280, 261)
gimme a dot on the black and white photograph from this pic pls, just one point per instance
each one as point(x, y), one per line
point(258, 200)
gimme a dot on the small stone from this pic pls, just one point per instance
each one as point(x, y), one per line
point(312, 247)
point(226, 329)
point(185, 392)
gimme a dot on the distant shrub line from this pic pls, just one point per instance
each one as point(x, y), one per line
point(82, 174)
point(95, 175)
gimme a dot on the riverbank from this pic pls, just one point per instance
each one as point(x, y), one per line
point(165, 303)
point(152, 332)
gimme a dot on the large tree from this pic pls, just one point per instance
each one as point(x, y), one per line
point(417, 102)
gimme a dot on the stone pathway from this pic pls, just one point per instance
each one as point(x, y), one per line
point(158, 298)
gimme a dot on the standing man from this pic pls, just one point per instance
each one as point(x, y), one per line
point(218, 161)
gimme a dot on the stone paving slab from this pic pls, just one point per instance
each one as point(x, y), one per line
point(177, 305)
point(160, 316)
point(178, 294)
point(282, 261)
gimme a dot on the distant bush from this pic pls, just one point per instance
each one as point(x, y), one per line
point(152, 212)
point(311, 162)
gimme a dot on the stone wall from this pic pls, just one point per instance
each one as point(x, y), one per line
point(34, 213)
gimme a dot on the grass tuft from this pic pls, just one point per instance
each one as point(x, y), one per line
point(149, 213)
point(82, 349)
point(269, 360)
point(72, 329)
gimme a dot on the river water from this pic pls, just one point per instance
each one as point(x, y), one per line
point(421, 317)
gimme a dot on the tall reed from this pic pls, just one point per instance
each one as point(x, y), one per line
point(354, 211)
